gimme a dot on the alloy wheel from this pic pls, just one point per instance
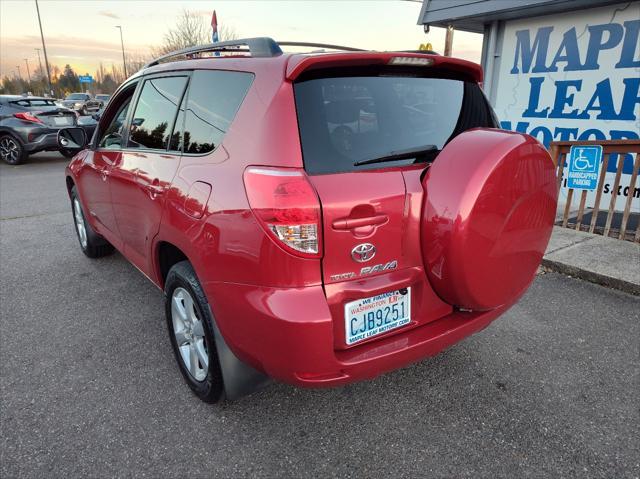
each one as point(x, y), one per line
point(79, 220)
point(9, 150)
point(189, 334)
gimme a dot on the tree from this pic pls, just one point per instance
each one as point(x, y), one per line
point(68, 82)
point(191, 29)
point(108, 84)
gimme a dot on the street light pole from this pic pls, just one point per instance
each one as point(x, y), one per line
point(19, 74)
point(39, 61)
point(124, 62)
point(44, 49)
point(26, 61)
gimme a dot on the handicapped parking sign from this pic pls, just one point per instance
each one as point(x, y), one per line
point(584, 167)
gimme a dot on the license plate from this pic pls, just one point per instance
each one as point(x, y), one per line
point(372, 316)
point(61, 120)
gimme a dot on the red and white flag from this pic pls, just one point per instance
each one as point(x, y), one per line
point(214, 26)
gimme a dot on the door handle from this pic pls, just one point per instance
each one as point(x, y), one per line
point(352, 223)
point(153, 188)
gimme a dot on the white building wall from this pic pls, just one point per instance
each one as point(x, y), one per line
point(573, 76)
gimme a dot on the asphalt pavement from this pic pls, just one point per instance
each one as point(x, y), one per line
point(89, 386)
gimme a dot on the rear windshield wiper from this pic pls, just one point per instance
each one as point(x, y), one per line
point(399, 155)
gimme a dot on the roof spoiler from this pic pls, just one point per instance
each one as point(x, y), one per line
point(298, 65)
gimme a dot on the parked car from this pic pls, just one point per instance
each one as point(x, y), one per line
point(306, 221)
point(29, 124)
point(83, 103)
point(103, 99)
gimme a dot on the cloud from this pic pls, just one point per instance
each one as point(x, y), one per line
point(106, 13)
point(82, 53)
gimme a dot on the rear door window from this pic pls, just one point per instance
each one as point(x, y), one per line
point(155, 112)
point(343, 120)
point(212, 103)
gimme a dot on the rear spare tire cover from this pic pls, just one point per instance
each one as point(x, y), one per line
point(489, 207)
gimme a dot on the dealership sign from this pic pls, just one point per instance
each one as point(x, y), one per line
point(575, 76)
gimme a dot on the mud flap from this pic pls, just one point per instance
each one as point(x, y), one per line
point(239, 378)
point(489, 208)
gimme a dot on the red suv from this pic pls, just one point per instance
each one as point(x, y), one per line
point(314, 218)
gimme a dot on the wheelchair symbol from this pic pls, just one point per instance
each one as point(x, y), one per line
point(586, 160)
point(581, 162)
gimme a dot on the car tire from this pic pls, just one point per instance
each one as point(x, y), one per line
point(11, 150)
point(191, 331)
point(92, 244)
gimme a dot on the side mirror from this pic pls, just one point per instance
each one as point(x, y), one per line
point(72, 139)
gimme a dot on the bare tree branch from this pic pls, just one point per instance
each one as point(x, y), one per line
point(191, 29)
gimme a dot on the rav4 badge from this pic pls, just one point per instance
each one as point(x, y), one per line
point(365, 271)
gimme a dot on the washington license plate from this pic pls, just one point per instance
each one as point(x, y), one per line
point(369, 317)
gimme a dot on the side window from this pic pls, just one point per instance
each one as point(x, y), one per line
point(112, 136)
point(154, 114)
point(213, 101)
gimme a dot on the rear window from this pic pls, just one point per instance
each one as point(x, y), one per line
point(343, 120)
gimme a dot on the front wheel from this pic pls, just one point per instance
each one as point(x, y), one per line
point(92, 244)
point(190, 325)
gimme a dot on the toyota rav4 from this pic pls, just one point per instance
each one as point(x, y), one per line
point(316, 218)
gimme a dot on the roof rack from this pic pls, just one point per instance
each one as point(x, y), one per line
point(259, 47)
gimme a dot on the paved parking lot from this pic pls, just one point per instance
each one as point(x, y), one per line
point(89, 386)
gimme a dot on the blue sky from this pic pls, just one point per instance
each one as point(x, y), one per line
point(82, 32)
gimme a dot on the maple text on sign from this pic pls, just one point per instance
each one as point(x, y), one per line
point(532, 57)
point(588, 76)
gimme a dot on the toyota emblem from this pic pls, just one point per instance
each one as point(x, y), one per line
point(363, 252)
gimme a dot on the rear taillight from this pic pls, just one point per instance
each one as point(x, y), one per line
point(287, 206)
point(28, 116)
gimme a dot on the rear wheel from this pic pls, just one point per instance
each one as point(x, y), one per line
point(92, 244)
point(190, 326)
point(11, 151)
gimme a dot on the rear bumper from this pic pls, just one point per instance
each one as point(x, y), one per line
point(289, 335)
point(43, 141)
point(47, 138)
